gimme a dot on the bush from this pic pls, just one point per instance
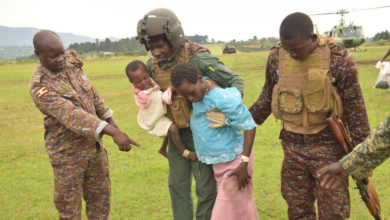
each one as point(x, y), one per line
point(22, 61)
point(381, 42)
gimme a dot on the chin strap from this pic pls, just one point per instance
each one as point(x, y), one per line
point(174, 55)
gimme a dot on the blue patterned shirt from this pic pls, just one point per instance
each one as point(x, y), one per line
point(216, 145)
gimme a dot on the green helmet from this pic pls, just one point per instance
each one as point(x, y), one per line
point(161, 21)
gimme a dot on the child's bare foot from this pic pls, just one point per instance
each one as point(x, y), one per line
point(163, 152)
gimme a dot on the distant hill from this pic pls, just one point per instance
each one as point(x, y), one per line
point(13, 52)
point(14, 36)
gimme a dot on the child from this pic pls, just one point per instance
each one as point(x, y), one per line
point(153, 108)
point(225, 147)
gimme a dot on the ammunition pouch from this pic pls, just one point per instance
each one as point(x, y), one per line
point(180, 111)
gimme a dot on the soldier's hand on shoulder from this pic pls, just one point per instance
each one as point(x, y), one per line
point(195, 47)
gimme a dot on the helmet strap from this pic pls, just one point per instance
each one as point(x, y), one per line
point(174, 55)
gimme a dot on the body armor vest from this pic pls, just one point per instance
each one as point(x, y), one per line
point(304, 93)
point(179, 111)
point(162, 75)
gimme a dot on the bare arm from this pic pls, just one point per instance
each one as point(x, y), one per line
point(387, 54)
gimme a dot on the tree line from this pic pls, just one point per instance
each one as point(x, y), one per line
point(384, 35)
point(124, 45)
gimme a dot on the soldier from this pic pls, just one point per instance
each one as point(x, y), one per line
point(76, 117)
point(298, 90)
point(362, 160)
point(161, 33)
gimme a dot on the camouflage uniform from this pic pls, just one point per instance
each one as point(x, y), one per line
point(74, 117)
point(369, 154)
point(304, 154)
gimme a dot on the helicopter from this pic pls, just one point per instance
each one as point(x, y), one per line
point(349, 36)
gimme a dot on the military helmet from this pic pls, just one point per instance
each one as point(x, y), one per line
point(160, 21)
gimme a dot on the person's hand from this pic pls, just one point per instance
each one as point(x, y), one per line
point(123, 141)
point(217, 117)
point(333, 175)
point(173, 91)
point(195, 47)
point(192, 155)
point(242, 175)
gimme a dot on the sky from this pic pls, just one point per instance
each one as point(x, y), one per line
point(219, 19)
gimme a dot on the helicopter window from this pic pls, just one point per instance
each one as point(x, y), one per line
point(336, 34)
point(359, 30)
point(347, 31)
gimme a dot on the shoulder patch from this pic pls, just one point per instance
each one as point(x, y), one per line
point(42, 91)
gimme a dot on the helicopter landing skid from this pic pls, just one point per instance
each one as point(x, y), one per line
point(354, 49)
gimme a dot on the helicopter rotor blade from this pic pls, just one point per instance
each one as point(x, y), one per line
point(372, 8)
point(324, 14)
point(346, 11)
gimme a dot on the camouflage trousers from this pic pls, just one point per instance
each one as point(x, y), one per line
point(304, 155)
point(76, 176)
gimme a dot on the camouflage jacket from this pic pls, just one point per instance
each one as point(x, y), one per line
point(369, 154)
point(74, 110)
point(344, 70)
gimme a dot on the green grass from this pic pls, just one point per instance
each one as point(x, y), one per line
point(139, 178)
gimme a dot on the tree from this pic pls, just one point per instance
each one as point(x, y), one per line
point(254, 38)
point(213, 41)
point(108, 45)
point(384, 35)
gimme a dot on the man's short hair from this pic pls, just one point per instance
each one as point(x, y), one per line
point(184, 71)
point(296, 24)
point(41, 37)
point(134, 66)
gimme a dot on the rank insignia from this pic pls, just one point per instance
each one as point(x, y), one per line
point(42, 91)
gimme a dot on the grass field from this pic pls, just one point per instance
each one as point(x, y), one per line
point(139, 178)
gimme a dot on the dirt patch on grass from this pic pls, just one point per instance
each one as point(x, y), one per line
point(366, 62)
point(255, 46)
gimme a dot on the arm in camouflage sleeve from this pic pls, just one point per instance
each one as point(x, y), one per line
point(210, 65)
point(71, 116)
point(102, 110)
point(369, 154)
point(261, 108)
point(351, 95)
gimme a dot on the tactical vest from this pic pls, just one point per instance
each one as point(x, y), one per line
point(304, 93)
point(179, 111)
